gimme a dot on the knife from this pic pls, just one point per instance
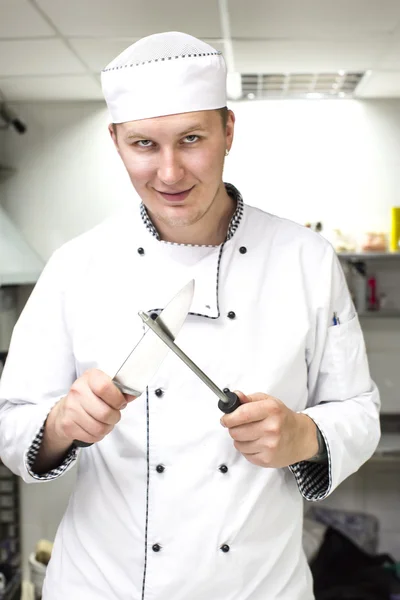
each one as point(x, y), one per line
point(146, 357)
point(228, 401)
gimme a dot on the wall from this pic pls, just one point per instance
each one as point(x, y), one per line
point(333, 161)
point(69, 176)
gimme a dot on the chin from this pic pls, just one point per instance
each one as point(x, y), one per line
point(176, 221)
point(178, 216)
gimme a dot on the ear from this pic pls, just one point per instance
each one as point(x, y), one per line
point(113, 133)
point(230, 128)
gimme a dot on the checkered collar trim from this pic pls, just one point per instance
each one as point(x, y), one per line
point(233, 225)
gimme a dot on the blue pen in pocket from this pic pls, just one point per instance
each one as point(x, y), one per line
point(336, 319)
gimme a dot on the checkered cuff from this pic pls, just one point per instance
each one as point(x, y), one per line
point(33, 452)
point(314, 479)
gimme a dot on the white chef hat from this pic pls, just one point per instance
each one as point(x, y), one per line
point(164, 74)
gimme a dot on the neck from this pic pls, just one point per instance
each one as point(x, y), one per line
point(209, 230)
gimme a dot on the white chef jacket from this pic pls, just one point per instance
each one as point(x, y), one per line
point(165, 508)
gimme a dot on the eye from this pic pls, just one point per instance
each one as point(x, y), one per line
point(144, 143)
point(190, 139)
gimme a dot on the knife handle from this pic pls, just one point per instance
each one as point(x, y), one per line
point(79, 444)
point(233, 404)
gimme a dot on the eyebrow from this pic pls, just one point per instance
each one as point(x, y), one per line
point(137, 134)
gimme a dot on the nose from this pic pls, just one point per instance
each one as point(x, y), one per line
point(170, 169)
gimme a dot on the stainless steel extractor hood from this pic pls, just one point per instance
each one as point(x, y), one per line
point(19, 264)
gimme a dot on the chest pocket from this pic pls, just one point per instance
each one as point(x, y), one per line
point(344, 371)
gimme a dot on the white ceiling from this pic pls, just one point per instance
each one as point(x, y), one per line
point(55, 49)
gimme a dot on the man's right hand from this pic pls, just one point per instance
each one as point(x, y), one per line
point(87, 413)
point(90, 410)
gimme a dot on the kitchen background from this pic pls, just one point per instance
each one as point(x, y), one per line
point(308, 147)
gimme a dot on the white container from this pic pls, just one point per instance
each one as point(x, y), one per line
point(37, 574)
point(27, 591)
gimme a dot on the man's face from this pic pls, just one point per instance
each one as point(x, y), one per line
point(175, 162)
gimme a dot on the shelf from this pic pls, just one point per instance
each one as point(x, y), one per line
point(385, 458)
point(380, 314)
point(389, 444)
point(388, 449)
point(356, 256)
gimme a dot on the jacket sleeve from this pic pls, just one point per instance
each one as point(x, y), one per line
point(343, 401)
point(39, 370)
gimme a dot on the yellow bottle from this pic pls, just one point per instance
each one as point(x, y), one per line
point(395, 230)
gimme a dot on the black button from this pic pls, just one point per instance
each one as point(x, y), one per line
point(156, 548)
point(223, 468)
point(225, 548)
point(159, 392)
point(154, 316)
point(226, 390)
point(140, 251)
point(243, 250)
point(231, 315)
point(160, 468)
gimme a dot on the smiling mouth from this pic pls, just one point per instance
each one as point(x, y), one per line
point(175, 196)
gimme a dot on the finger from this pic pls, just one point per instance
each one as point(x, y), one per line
point(98, 410)
point(255, 397)
point(103, 387)
point(129, 397)
point(92, 427)
point(242, 397)
point(248, 447)
point(255, 459)
point(81, 435)
point(246, 433)
point(85, 429)
point(246, 413)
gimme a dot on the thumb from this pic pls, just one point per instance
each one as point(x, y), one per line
point(129, 397)
point(256, 397)
point(242, 397)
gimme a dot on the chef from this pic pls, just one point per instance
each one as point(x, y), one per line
point(175, 500)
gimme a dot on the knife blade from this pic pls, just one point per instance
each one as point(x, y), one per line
point(146, 357)
point(141, 364)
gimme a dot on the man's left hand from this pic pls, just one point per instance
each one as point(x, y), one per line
point(270, 434)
